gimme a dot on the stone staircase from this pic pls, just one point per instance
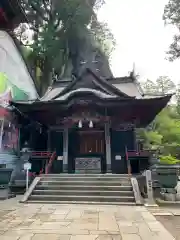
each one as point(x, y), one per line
point(83, 188)
point(8, 159)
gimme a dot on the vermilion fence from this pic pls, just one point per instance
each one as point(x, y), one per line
point(43, 154)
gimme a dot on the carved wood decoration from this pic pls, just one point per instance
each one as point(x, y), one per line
point(88, 165)
point(83, 116)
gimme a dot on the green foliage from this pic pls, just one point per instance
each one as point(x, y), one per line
point(178, 99)
point(103, 37)
point(168, 160)
point(153, 138)
point(162, 85)
point(163, 134)
point(59, 30)
point(165, 85)
point(149, 87)
point(172, 16)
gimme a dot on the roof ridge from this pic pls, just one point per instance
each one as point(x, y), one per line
point(99, 81)
point(106, 82)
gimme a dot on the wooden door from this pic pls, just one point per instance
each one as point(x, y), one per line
point(91, 143)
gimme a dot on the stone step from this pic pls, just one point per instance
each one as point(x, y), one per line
point(87, 175)
point(80, 203)
point(85, 187)
point(85, 183)
point(82, 198)
point(92, 179)
point(83, 192)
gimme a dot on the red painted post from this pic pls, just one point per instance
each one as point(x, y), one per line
point(128, 162)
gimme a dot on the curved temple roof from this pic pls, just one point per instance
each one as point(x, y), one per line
point(87, 90)
point(143, 111)
point(90, 90)
point(125, 86)
point(115, 89)
point(117, 95)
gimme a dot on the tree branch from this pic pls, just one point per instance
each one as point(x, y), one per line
point(34, 28)
point(45, 6)
point(38, 11)
point(51, 10)
point(57, 24)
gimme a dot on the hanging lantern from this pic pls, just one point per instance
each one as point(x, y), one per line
point(80, 124)
point(91, 124)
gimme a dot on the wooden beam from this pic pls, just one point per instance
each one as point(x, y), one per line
point(108, 147)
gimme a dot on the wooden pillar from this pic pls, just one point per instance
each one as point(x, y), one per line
point(1, 132)
point(49, 140)
point(48, 146)
point(19, 140)
point(108, 146)
point(128, 162)
point(65, 149)
point(135, 139)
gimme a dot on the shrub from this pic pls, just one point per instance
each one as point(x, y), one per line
point(169, 159)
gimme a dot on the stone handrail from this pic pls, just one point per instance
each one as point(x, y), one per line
point(30, 189)
point(137, 194)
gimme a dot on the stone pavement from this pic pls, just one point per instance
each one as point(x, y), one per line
point(172, 224)
point(76, 222)
point(165, 211)
point(170, 218)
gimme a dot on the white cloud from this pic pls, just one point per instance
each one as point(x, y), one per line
point(141, 38)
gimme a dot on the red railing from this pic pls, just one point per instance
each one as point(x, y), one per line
point(32, 174)
point(134, 153)
point(141, 153)
point(43, 154)
point(50, 162)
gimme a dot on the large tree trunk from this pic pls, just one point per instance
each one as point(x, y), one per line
point(46, 78)
point(83, 53)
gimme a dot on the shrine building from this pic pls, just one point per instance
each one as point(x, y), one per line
point(90, 123)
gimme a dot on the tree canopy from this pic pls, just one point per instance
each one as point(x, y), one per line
point(163, 134)
point(163, 85)
point(172, 16)
point(63, 33)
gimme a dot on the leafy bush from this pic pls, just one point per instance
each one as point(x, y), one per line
point(169, 159)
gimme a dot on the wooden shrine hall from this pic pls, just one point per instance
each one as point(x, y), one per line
point(90, 123)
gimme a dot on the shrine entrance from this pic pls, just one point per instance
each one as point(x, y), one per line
point(87, 151)
point(91, 142)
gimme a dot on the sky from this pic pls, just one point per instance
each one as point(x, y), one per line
point(141, 38)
